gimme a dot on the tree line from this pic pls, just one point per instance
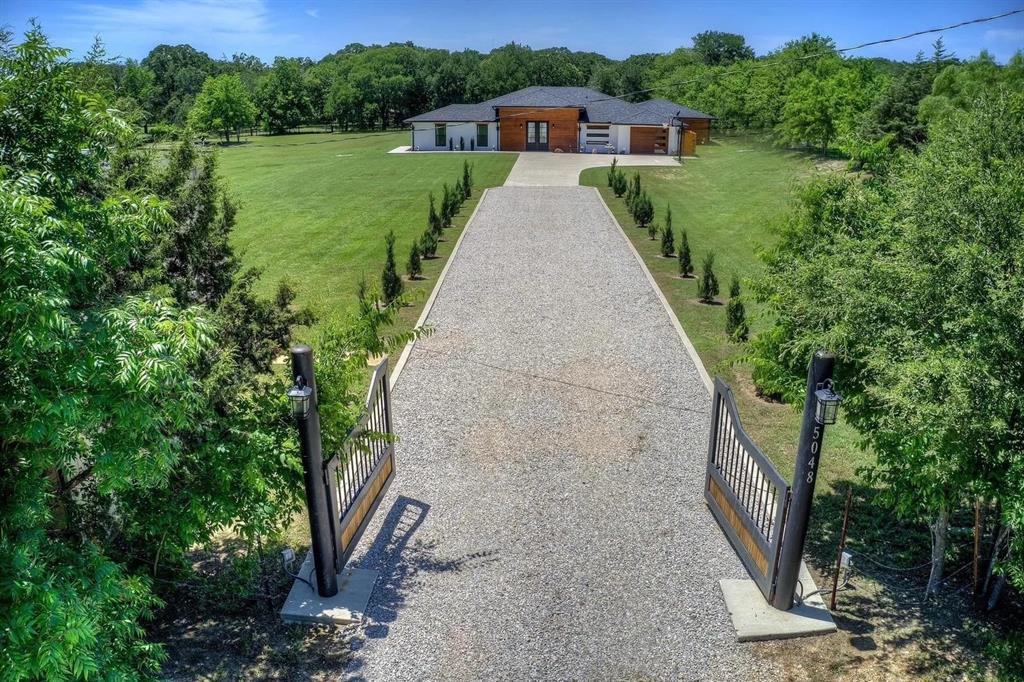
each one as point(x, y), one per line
point(803, 93)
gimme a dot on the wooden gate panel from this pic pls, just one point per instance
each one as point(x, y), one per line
point(359, 476)
point(747, 495)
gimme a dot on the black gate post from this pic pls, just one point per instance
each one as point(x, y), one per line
point(317, 501)
point(804, 477)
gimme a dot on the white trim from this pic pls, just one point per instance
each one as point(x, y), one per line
point(690, 350)
point(407, 351)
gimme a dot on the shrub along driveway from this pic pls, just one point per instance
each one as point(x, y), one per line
point(546, 521)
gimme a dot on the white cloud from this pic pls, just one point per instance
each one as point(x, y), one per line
point(315, 13)
point(216, 26)
point(1002, 35)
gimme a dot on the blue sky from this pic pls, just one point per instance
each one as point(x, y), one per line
point(313, 28)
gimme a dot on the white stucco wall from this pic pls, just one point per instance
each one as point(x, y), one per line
point(621, 136)
point(423, 135)
point(590, 144)
point(618, 137)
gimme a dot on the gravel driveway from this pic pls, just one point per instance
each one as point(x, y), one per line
point(546, 521)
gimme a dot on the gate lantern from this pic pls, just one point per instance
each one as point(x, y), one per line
point(827, 409)
point(300, 396)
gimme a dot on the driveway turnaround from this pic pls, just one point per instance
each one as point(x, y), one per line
point(550, 169)
point(546, 520)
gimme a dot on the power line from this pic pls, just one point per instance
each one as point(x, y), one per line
point(798, 58)
point(815, 55)
point(933, 30)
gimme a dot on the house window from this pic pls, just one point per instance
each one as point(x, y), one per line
point(481, 134)
point(440, 134)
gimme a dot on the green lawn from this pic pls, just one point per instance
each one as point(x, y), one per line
point(728, 199)
point(314, 209)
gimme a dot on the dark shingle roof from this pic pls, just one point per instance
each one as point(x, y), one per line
point(598, 107)
point(456, 112)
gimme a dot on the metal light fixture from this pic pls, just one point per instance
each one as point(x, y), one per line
point(300, 396)
point(827, 409)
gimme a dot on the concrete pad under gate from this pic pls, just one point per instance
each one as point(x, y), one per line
point(756, 620)
point(305, 605)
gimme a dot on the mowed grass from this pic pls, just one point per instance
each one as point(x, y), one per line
point(729, 200)
point(314, 209)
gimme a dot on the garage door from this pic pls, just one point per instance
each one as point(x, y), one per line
point(648, 140)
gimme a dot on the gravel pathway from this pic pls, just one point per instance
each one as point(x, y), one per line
point(546, 521)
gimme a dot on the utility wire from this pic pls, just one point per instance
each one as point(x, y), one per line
point(815, 55)
point(798, 58)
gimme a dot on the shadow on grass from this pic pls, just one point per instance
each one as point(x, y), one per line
point(884, 611)
point(223, 622)
point(402, 562)
point(341, 137)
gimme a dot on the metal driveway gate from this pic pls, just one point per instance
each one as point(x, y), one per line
point(357, 478)
point(747, 495)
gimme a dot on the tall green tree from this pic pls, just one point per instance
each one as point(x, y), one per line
point(179, 72)
point(282, 96)
point(914, 280)
point(96, 382)
point(223, 105)
point(716, 48)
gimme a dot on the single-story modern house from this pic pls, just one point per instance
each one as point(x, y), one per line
point(543, 118)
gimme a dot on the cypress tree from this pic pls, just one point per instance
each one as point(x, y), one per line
point(414, 267)
point(685, 259)
point(446, 207)
point(668, 241)
point(643, 210)
point(619, 184)
point(735, 314)
point(630, 194)
point(459, 194)
point(653, 230)
point(668, 237)
point(428, 244)
point(467, 179)
point(707, 285)
point(612, 172)
point(434, 219)
point(637, 191)
point(390, 281)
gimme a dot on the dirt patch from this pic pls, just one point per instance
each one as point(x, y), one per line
point(224, 623)
point(888, 633)
point(257, 646)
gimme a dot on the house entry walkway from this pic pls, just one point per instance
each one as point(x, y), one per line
point(551, 169)
point(547, 520)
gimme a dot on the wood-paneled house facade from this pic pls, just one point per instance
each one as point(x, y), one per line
point(566, 119)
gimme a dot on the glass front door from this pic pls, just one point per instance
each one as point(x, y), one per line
point(537, 136)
